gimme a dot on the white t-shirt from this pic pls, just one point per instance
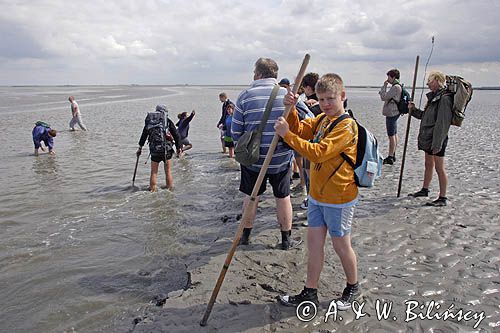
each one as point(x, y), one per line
point(74, 105)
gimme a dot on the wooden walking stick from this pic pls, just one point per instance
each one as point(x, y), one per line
point(253, 201)
point(135, 170)
point(408, 127)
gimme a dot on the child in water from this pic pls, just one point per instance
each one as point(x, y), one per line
point(228, 140)
point(183, 129)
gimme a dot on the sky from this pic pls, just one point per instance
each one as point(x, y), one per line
point(163, 42)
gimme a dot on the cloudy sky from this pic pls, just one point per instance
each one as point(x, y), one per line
point(46, 42)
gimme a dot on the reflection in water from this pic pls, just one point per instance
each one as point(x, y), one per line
point(45, 165)
point(79, 142)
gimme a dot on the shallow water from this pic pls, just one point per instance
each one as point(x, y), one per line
point(80, 246)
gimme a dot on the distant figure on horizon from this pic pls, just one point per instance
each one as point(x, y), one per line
point(160, 131)
point(433, 135)
point(222, 121)
point(43, 133)
point(183, 129)
point(76, 115)
point(391, 112)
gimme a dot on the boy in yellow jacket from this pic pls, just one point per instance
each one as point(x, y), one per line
point(333, 191)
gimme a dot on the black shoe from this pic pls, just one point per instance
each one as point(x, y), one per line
point(424, 192)
point(306, 295)
point(349, 295)
point(394, 158)
point(439, 202)
point(388, 160)
point(291, 243)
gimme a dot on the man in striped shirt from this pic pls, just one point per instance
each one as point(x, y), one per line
point(250, 107)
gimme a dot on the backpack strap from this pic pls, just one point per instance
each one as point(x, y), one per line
point(338, 120)
point(332, 125)
point(347, 159)
point(400, 95)
point(269, 106)
point(330, 128)
point(319, 122)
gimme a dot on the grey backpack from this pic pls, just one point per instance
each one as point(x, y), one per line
point(461, 90)
point(247, 150)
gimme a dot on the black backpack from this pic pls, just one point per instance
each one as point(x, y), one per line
point(404, 99)
point(157, 131)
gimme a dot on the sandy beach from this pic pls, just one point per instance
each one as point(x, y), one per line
point(436, 269)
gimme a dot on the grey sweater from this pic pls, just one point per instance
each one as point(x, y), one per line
point(390, 108)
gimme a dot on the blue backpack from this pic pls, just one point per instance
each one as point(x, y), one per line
point(368, 165)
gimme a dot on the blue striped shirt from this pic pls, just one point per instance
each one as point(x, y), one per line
point(250, 107)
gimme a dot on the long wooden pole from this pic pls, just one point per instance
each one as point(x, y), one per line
point(135, 170)
point(252, 204)
point(408, 127)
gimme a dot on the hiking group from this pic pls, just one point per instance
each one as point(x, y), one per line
point(321, 143)
point(334, 156)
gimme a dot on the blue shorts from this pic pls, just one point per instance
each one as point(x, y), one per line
point(391, 123)
point(337, 220)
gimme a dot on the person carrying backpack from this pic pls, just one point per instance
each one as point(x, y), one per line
point(391, 112)
point(435, 123)
point(160, 131)
point(333, 191)
point(43, 133)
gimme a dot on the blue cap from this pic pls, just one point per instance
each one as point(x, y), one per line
point(284, 81)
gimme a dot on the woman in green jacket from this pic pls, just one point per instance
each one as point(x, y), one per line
point(433, 134)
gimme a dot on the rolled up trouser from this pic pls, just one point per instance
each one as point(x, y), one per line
point(77, 120)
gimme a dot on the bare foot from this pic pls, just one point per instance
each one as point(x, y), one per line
point(153, 189)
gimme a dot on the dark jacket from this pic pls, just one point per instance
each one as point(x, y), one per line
point(435, 121)
point(183, 126)
point(222, 120)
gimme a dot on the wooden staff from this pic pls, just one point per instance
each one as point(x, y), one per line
point(135, 170)
point(253, 202)
point(408, 127)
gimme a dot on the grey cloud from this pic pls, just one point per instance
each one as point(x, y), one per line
point(404, 26)
point(386, 42)
point(357, 24)
point(19, 43)
point(190, 41)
